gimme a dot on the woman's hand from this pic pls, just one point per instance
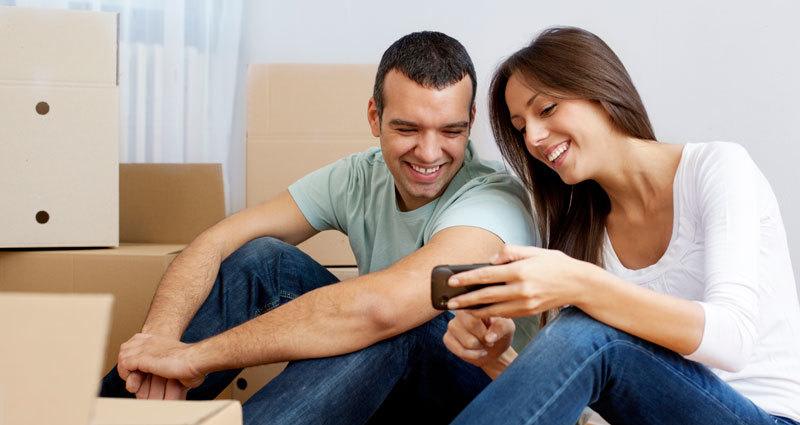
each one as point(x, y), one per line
point(485, 343)
point(536, 280)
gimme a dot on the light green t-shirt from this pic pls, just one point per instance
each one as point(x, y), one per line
point(356, 195)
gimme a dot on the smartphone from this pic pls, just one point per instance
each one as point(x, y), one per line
point(441, 292)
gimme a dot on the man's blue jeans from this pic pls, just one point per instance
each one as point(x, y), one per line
point(392, 381)
point(577, 361)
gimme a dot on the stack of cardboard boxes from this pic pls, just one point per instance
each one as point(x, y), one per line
point(62, 187)
point(123, 224)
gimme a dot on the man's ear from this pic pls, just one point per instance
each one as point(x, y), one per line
point(373, 117)
point(472, 111)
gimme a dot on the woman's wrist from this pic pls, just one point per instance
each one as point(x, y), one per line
point(588, 280)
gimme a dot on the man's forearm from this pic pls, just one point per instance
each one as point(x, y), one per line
point(328, 321)
point(185, 285)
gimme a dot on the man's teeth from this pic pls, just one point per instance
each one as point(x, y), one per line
point(557, 152)
point(425, 170)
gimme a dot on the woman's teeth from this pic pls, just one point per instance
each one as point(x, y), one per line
point(557, 152)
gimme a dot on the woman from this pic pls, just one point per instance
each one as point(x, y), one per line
point(669, 262)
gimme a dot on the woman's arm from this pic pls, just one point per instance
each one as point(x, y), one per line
point(537, 280)
point(671, 322)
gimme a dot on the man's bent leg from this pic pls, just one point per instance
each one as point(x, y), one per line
point(343, 389)
point(261, 275)
point(437, 384)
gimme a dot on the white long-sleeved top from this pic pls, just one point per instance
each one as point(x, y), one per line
point(728, 252)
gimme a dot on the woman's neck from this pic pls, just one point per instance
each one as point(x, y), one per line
point(639, 175)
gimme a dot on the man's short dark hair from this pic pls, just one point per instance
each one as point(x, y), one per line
point(430, 59)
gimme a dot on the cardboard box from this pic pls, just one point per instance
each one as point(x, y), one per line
point(34, 326)
point(59, 128)
point(189, 198)
point(133, 271)
point(50, 46)
point(50, 360)
point(110, 411)
point(300, 118)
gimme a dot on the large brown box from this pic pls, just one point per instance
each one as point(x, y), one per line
point(300, 118)
point(59, 128)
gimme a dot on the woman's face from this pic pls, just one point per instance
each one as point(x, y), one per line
point(568, 135)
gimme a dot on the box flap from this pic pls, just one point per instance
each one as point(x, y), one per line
point(109, 411)
point(169, 203)
point(52, 351)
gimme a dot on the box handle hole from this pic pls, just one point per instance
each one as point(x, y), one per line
point(42, 217)
point(42, 108)
point(241, 384)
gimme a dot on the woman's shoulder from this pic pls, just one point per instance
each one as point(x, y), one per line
point(710, 153)
point(716, 161)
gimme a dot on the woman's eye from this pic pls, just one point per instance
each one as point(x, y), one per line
point(548, 110)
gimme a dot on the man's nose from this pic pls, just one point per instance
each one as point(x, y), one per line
point(428, 148)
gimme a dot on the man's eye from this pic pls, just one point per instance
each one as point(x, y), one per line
point(548, 110)
point(406, 130)
point(452, 133)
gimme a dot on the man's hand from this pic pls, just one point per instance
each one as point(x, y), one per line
point(158, 367)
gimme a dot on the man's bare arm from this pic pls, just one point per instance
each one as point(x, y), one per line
point(349, 315)
point(189, 279)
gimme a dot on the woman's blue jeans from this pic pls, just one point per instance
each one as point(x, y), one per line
point(576, 361)
point(411, 378)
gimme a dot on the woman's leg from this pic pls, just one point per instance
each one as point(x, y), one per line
point(577, 361)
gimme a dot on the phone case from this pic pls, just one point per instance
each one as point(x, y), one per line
point(441, 292)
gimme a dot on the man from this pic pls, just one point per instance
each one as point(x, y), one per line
point(364, 348)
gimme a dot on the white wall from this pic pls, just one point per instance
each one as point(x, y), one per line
point(706, 70)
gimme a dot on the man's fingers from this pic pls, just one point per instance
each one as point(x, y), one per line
point(144, 390)
point(157, 387)
point(456, 348)
point(174, 390)
point(134, 382)
point(499, 328)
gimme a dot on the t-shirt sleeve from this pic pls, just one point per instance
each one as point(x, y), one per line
point(727, 187)
point(496, 203)
point(322, 195)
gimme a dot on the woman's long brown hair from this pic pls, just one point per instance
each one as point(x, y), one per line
point(567, 62)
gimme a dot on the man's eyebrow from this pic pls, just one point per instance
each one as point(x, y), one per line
point(402, 123)
point(457, 125)
point(528, 103)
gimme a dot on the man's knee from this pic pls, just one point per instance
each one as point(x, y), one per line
point(257, 252)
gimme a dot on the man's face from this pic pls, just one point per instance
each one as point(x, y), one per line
point(424, 134)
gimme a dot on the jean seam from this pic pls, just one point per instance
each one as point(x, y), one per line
point(610, 345)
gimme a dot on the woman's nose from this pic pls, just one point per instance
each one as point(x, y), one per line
point(535, 135)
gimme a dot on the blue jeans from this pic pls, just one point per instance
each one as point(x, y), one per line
point(576, 361)
point(392, 381)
